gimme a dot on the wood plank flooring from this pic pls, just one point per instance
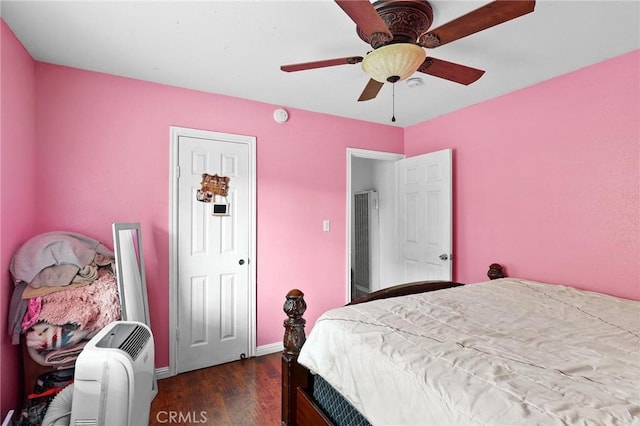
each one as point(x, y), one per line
point(239, 393)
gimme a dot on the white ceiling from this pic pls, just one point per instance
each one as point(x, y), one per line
point(236, 48)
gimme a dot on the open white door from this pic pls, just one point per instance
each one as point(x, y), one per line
point(425, 216)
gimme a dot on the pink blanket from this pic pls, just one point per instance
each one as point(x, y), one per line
point(91, 307)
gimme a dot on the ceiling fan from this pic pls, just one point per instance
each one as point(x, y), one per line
point(398, 32)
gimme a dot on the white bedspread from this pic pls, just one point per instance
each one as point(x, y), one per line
point(504, 352)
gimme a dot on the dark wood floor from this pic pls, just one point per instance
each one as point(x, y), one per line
point(240, 393)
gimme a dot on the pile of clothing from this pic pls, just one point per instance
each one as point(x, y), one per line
point(65, 292)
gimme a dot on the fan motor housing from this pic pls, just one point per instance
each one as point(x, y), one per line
point(406, 20)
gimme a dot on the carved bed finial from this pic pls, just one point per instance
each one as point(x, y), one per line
point(294, 337)
point(495, 271)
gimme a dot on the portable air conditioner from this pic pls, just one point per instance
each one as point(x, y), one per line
point(114, 377)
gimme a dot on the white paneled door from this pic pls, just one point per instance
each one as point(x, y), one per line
point(425, 216)
point(214, 295)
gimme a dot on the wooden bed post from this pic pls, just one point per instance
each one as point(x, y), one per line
point(293, 374)
point(496, 271)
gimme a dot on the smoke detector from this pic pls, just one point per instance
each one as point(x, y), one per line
point(414, 82)
point(280, 115)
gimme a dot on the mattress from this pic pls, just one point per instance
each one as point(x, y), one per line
point(503, 352)
point(334, 405)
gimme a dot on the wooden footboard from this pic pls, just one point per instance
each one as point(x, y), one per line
point(298, 407)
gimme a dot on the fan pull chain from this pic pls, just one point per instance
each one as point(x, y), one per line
point(393, 103)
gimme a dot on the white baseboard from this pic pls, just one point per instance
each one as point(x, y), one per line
point(269, 349)
point(163, 372)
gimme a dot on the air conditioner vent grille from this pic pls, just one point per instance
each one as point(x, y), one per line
point(130, 338)
point(136, 341)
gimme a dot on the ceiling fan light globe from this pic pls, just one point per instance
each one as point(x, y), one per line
point(393, 60)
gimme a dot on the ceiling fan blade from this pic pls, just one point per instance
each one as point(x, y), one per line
point(450, 71)
point(487, 16)
point(371, 90)
point(364, 14)
point(350, 60)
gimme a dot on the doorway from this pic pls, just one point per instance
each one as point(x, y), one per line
point(413, 208)
point(372, 171)
point(212, 255)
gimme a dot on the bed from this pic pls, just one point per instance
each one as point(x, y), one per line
point(502, 352)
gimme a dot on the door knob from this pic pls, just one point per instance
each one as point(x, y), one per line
point(241, 261)
point(444, 256)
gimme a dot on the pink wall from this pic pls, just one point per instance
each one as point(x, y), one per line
point(17, 193)
point(103, 149)
point(547, 179)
